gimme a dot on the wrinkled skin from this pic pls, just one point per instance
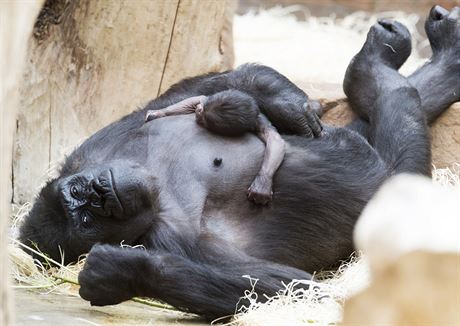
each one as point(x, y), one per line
point(200, 232)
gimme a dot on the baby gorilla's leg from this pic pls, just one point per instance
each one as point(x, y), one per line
point(233, 113)
point(187, 106)
point(260, 190)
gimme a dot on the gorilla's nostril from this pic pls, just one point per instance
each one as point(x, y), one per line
point(387, 24)
point(438, 13)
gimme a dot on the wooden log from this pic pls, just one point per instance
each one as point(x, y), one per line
point(16, 21)
point(99, 61)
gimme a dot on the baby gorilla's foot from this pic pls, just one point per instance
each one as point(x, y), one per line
point(154, 114)
point(260, 191)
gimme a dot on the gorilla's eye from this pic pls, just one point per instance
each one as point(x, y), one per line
point(85, 221)
point(74, 191)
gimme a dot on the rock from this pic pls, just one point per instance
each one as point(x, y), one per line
point(410, 234)
point(408, 213)
point(420, 288)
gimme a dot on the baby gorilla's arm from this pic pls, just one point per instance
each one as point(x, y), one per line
point(187, 106)
point(260, 190)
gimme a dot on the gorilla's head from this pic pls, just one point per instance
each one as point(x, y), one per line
point(389, 41)
point(105, 203)
point(443, 29)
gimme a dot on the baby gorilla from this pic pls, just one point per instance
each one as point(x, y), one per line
point(233, 112)
point(228, 113)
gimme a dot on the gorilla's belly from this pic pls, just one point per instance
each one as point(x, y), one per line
point(206, 177)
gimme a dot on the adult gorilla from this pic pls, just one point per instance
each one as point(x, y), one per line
point(157, 184)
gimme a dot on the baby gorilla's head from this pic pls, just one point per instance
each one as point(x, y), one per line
point(229, 113)
point(390, 41)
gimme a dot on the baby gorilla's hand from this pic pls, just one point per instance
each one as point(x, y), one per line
point(111, 274)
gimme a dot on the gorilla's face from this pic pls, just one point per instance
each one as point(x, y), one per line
point(105, 203)
point(443, 29)
point(390, 41)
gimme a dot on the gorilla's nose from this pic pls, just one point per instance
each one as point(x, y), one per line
point(438, 12)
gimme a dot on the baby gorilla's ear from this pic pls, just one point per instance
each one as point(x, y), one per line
point(230, 113)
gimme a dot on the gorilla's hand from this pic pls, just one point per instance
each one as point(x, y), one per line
point(111, 274)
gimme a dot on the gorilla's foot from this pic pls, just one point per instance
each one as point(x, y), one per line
point(443, 30)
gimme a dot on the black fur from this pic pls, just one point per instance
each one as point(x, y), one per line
point(230, 113)
point(156, 185)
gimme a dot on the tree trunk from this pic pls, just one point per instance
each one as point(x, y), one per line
point(16, 21)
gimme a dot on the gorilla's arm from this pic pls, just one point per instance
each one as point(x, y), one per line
point(210, 285)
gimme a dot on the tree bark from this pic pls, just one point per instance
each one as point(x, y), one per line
point(16, 21)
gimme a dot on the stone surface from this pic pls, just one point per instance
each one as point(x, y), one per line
point(33, 308)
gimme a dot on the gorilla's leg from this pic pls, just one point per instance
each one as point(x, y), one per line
point(361, 126)
point(210, 287)
point(399, 132)
point(437, 81)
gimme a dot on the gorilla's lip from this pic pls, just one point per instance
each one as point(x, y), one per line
point(114, 190)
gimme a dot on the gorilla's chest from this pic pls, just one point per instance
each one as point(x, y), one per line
point(202, 173)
